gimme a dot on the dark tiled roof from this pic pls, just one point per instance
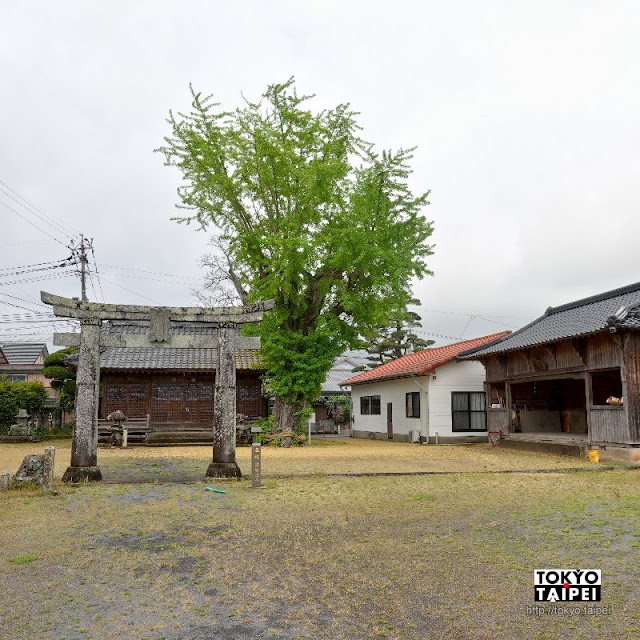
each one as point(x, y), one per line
point(171, 359)
point(175, 328)
point(23, 352)
point(617, 308)
point(331, 384)
point(420, 363)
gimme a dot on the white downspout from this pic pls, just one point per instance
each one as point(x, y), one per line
point(424, 414)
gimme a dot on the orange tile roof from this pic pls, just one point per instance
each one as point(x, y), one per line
point(422, 362)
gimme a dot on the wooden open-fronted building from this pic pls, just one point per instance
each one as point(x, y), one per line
point(570, 378)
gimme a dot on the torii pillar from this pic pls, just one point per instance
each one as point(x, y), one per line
point(84, 450)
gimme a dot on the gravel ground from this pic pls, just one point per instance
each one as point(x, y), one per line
point(401, 557)
point(323, 457)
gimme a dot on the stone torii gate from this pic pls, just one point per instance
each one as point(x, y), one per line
point(84, 451)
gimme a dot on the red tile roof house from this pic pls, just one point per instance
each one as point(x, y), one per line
point(426, 396)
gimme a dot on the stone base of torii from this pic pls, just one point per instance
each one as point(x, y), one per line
point(84, 450)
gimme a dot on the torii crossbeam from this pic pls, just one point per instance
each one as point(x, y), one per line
point(84, 451)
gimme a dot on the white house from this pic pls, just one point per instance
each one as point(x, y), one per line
point(424, 396)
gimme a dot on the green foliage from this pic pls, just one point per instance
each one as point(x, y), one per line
point(20, 395)
point(276, 439)
point(342, 408)
point(394, 339)
point(55, 372)
point(57, 357)
point(67, 396)
point(309, 215)
point(8, 405)
point(62, 376)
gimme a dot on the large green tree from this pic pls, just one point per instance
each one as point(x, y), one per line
point(307, 213)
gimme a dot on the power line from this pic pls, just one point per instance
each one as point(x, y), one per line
point(95, 295)
point(4, 204)
point(174, 282)
point(26, 271)
point(155, 273)
point(47, 218)
point(131, 291)
point(11, 304)
point(95, 264)
point(53, 276)
point(38, 304)
point(36, 264)
point(462, 313)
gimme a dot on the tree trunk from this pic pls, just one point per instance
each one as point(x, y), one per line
point(285, 419)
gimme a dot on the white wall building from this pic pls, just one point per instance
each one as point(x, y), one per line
point(423, 396)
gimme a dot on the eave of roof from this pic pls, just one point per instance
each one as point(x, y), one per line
point(420, 363)
point(588, 316)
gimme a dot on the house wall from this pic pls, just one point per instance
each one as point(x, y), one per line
point(394, 391)
point(435, 404)
point(454, 376)
point(32, 374)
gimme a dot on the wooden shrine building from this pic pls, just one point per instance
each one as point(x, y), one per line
point(175, 387)
point(571, 377)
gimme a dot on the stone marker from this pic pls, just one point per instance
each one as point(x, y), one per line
point(38, 469)
point(256, 465)
point(49, 464)
point(31, 470)
point(4, 482)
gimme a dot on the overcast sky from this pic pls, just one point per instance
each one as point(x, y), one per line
point(525, 115)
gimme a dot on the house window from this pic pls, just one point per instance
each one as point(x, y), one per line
point(605, 384)
point(469, 410)
point(17, 377)
point(413, 404)
point(370, 405)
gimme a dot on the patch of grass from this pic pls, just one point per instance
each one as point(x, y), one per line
point(23, 559)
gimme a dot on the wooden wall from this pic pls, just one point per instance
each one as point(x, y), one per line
point(631, 384)
point(595, 352)
point(175, 398)
point(608, 425)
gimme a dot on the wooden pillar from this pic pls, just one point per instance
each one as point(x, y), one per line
point(224, 463)
point(630, 373)
point(508, 402)
point(84, 447)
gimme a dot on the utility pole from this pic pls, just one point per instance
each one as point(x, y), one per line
point(80, 253)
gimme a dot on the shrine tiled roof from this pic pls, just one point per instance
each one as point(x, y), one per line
point(141, 327)
point(171, 359)
point(612, 310)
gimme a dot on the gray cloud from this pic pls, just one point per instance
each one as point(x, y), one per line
point(525, 118)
